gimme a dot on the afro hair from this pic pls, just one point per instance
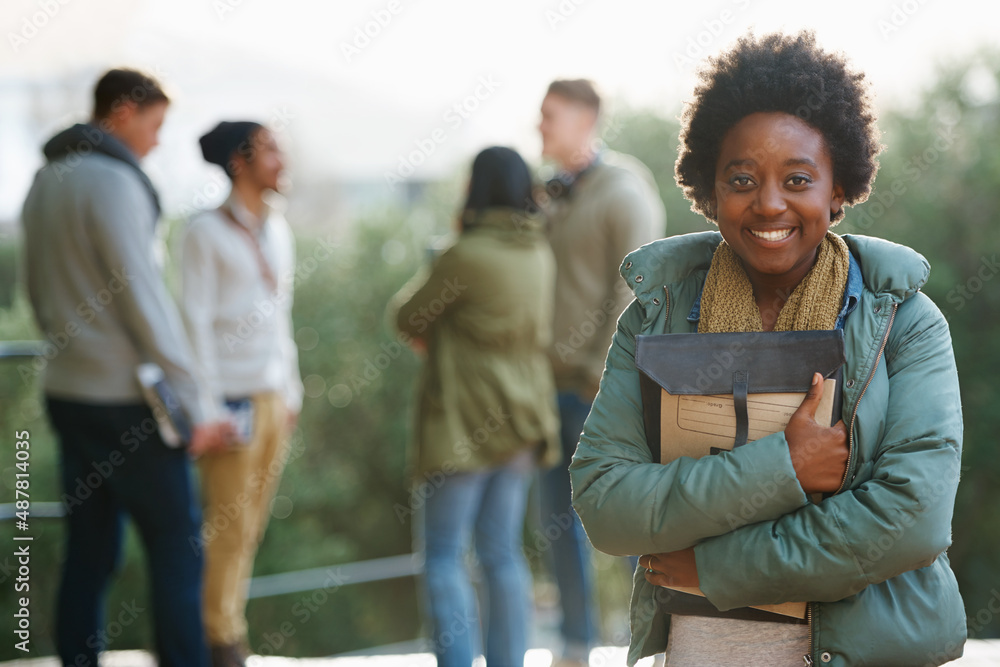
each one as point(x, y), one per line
point(784, 73)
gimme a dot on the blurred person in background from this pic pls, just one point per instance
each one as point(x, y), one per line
point(95, 285)
point(486, 414)
point(237, 267)
point(601, 206)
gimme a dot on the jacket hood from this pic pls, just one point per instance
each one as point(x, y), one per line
point(887, 268)
point(85, 138)
point(69, 140)
point(511, 223)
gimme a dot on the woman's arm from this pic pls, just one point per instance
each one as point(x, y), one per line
point(898, 521)
point(630, 505)
point(429, 295)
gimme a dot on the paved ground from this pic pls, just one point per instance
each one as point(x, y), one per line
point(978, 653)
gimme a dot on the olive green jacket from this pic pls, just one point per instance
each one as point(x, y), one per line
point(484, 310)
point(869, 559)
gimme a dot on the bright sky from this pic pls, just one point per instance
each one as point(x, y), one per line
point(359, 84)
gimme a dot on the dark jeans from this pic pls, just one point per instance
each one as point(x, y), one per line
point(114, 463)
point(571, 548)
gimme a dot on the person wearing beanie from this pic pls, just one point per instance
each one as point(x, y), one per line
point(236, 269)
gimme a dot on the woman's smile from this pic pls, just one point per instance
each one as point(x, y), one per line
point(772, 237)
point(775, 195)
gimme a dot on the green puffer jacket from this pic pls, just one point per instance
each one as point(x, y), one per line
point(870, 559)
point(484, 310)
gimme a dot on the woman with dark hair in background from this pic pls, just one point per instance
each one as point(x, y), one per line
point(486, 412)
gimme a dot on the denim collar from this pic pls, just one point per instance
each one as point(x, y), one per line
point(852, 293)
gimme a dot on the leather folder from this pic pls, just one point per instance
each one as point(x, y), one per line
point(703, 394)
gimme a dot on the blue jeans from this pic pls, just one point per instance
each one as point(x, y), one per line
point(571, 548)
point(489, 506)
point(114, 463)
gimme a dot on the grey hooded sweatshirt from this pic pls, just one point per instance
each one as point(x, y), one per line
point(94, 280)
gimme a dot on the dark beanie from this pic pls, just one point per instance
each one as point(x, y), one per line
point(219, 145)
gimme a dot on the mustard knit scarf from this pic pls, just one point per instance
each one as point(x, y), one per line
point(728, 304)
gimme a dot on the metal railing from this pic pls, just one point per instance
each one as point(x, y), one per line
point(340, 574)
point(21, 349)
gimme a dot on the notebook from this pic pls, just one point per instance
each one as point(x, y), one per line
point(706, 393)
point(173, 424)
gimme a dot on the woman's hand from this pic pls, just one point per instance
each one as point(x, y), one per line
point(676, 568)
point(819, 453)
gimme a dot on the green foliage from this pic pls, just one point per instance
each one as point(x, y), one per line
point(346, 481)
point(943, 162)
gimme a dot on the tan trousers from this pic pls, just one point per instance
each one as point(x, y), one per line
point(237, 486)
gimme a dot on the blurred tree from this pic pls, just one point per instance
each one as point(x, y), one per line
point(937, 192)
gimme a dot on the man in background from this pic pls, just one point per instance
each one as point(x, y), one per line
point(95, 286)
point(601, 205)
point(237, 269)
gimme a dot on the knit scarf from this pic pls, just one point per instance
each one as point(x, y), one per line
point(728, 304)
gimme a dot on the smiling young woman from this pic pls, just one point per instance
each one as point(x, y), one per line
point(779, 139)
point(776, 197)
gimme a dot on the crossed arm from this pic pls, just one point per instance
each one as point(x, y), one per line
point(687, 513)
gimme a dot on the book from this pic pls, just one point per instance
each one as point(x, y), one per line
point(171, 420)
point(703, 394)
point(241, 412)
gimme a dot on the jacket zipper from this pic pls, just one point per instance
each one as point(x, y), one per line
point(807, 658)
point(666, 305)
point(854, 413)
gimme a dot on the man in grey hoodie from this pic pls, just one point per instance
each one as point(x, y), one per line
point(95, 286)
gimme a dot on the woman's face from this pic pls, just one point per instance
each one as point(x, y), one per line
point(775, 194)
